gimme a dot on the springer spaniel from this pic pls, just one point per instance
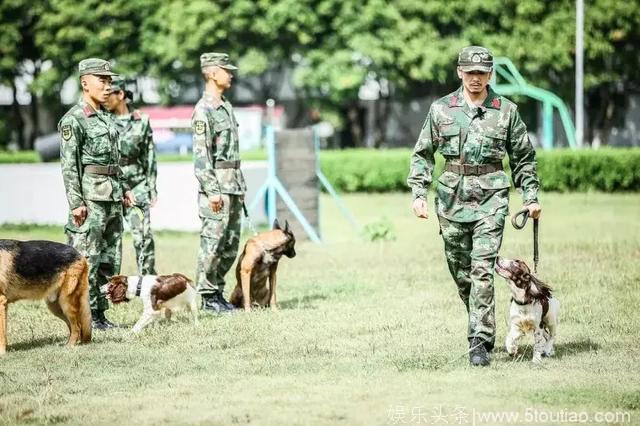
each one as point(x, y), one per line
point(168, 293)
point(533, 308)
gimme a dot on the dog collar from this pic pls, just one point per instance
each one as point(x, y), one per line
point(139, 286)
point(519, 303)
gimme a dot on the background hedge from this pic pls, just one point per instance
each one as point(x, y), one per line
point(362, 170)
point(366, 170)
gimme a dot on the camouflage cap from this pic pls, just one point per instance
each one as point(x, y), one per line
point(216, 59)
point(118, 83)
point(95, 66)
point(475, 58)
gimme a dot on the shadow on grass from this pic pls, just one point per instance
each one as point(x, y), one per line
point(563, 349)
point(36, 343)
point(305, 302)
point(573, 348)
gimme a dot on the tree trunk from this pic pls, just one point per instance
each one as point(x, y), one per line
point(355, 126)
point(18, 122)
point(383, 113)
point(35, 117)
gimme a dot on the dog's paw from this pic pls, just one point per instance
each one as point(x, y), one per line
point(549, 353)
point(512, 351)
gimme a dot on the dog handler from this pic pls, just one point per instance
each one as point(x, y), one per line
point(474, 128)
point(217, 166)
point(138, 164)
point(94, 184)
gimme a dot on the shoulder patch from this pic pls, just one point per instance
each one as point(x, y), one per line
point(66, 132)
point(199, 127)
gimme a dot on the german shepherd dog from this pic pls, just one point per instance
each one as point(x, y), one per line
point(259, 261)
point(46, 270)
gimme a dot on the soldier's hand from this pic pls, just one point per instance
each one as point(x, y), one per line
point(420, 208)
point(534, 210)
point(79, 215)
point(215, 201)
point(129, 199)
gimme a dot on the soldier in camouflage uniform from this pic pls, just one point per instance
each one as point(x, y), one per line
point(94, 185)
point(222, 186)
point(474, 128)
point(138, 164)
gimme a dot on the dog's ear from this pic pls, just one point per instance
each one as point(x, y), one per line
point(538, 288)
point(286, 225)
point(276, 225)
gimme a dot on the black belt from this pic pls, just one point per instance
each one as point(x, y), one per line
point(227, 164)
point(472, 169)
point(109, 170)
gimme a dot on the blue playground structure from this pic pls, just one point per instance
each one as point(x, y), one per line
point(273, 186)
point(517, 85)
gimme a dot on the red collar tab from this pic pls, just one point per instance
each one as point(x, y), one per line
point(136, 115)
point(88, 111)
point(496, 103)
point(453, 101)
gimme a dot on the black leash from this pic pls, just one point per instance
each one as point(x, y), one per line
point(524, 213)
point(248, 219)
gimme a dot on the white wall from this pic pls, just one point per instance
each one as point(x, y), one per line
point(34, 193)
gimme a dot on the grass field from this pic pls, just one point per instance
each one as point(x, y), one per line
point(368, 333)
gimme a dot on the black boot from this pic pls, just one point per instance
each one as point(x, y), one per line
point(100, 322)
point(96, 321)
point(478, 355)
point(215, 302)
point(108, 323)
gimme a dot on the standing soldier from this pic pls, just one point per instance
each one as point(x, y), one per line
point(138, 164)
point(222, 187)
point(474, 128)
point(94, 186)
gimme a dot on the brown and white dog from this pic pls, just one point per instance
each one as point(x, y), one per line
point(160, 294)
point(533, 308)
point(46, 270)
point(259, 261)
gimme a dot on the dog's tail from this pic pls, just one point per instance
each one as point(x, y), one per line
point(177, 274)
point(85, 311)
point(154, 298)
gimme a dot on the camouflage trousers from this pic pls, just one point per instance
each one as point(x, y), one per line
point(99, 239)
point(471, 249)
point(139, 220)
point(219, 240)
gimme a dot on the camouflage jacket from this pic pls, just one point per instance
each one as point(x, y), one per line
point(215, 138)
point(138, 155)
point(462, 134)
point(89, 137)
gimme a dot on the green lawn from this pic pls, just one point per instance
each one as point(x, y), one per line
point(368, 333)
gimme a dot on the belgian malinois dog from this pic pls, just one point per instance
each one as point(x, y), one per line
point(259, 261)
point(46, 270)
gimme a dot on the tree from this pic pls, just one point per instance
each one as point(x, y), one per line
point(20, 56)
point(69, 31)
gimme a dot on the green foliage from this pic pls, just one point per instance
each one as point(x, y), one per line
point(380, 230)
point(603, 170)
point(7, 157)
point(362, 170)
